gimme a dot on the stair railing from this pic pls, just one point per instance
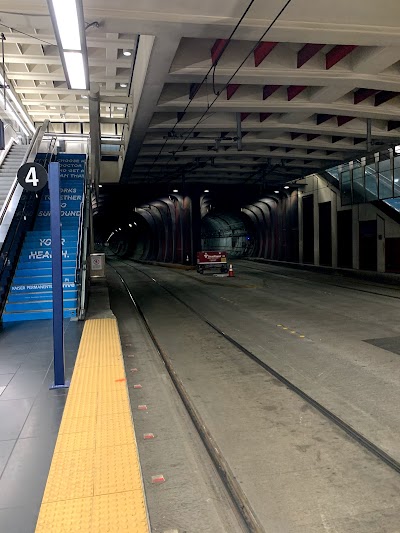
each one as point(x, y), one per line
point(15, 192)
point(22, 221)
point(82, 252)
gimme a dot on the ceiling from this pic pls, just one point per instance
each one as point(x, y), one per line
point(303, 96)
point(33, 66)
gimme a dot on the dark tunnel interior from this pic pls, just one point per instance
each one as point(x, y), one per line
point(173, 227)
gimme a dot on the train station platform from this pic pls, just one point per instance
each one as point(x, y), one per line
point(92, 467)
point(170, 426)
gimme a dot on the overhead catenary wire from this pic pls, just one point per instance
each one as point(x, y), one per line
point(281, 11)
point(204, 80)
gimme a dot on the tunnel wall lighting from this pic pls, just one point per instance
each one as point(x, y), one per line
point(135, 223)
point(69, 28)
point(175, 190)
point(286, 187)
point(276, 192)
point(130, 225)
point(206, 190)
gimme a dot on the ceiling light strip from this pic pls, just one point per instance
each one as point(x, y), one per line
point(69, 28)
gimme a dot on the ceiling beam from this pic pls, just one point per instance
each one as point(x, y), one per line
point(338, 53)
point(262, 51)
point(269, 89)
point(308, 51)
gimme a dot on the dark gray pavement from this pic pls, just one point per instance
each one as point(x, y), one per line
point(299, 472)
point(332, 345)
point(30, 415)
point(192, 499)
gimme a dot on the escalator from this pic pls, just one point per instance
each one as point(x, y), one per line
point(29, 296)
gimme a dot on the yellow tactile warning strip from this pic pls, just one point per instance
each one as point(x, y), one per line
point(95, 482)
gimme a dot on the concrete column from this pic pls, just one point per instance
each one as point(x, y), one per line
point(316, 221)
point(300, 219)
point(334, 199)
point(191, 226)
point(356, 237)
point(195, 226)
point(381, 263)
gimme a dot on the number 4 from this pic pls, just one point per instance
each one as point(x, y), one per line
point(31, 177)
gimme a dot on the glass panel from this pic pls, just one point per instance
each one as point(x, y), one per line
point(371, 184)
point(358, 183)
point(334, 171)
point(385, 179)
point(396, 175)
point(345, 186)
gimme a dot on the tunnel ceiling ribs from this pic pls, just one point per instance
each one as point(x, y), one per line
point(306, 110)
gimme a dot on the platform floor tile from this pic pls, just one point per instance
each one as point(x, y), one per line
point(95, 483)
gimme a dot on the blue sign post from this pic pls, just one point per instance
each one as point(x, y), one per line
point(57, 279)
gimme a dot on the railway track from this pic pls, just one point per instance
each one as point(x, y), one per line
point(223, 468)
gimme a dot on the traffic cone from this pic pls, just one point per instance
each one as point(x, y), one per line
point(230, 272)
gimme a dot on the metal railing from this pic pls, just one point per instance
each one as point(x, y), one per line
point(29, 157)
point(83, 242)
point(22, 221)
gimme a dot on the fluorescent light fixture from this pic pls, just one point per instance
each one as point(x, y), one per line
point(69, 28)
point(66, 15)
point(100, 185)
point(53, 107)
point(127, 53)
point(175, 190)
point(276, 192)
point(123, 85)
point(119, 229)
point(120, 108)
point(135, 223)
point(130, 225)
point(206, 190)
point(75, 69)
point(84, 95)
point(286, 187)
point(85, 107)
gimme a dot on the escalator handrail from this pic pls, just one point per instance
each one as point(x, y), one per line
point(29, 157)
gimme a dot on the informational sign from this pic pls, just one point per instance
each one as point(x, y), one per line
point(97, 264)
point(32, 177)
point(72, 166)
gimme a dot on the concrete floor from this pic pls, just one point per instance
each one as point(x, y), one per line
point(192, 499)
point(30, 416)
point(299, 472)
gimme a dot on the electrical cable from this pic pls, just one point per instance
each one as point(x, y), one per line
point(26, 34)
point(287, 3)
point(25, 14)
point(204, 80)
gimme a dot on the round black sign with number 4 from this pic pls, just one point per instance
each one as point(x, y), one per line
point(32, 176)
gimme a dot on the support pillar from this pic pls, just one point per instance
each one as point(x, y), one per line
point(316, 221)
point(191, 226)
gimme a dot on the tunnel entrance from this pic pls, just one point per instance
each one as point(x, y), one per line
point(226, 231)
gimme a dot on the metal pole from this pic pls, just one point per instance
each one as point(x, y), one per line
point(57, 280)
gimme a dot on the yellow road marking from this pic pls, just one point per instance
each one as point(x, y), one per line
point(292, 332)
point(95, 482)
